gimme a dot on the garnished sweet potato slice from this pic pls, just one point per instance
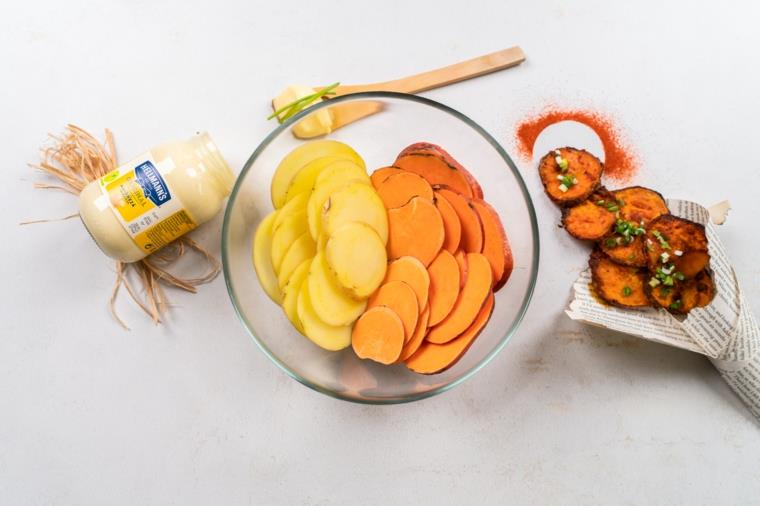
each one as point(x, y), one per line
point(413, 273)
point(398, 189)
point(434, 149)
point(468, 304)
point(433, 358)
point(415, 229)
point(400, 297)
point(378, 335)
point(630, 254)
point(677, 242)
point(617, 284)
point(472, 230)
point(495, 244)
point(444, 286)
point(593, 218)
point(451, 225)
point(461, 258)
point(570, 175)
point(685, 295)
point(382, 174)
point(418, 337)
point(640, 205)
point(435, 170)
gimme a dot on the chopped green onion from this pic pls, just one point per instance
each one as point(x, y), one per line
point(563, 188)
point(627, 291)
point(679, 276)
point(612, 208)
point(664, 257)
point(654, 282)
point(678, 252)
point(289, 110)
point(675, 305)
point(610, 242)
point(600, 202)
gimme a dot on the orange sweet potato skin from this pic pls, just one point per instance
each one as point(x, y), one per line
point(430, 148)
point(680, 235)
point(435, 170)
point(609, 281)
point(584, 166)
point(495, 243)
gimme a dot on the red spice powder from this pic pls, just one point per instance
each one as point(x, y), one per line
point(620, 161)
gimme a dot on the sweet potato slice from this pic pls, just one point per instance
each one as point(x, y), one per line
point(469, 302)
point(418, 337)
point(435, 170)
point(617, 284)
point(451, 224)
point(677, 241)
point(444, 286)
point(631, 254)
point(495, 243)
point(433, 358)
point(472, 229)
point(415, 229)
point(398, 189)
point(640, 205)
point(434, 149)
point(461, 258)
point(593, 218)
point(584, 173)
point(413, 273)
point(378, 335)
point(399, 297)
point(381, 174)
point(685, 295)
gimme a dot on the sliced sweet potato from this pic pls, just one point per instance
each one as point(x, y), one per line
point(434, 149)
point(378, 335)
point(640, 205)
point(617, 284)
point(451, 225)
point(433, 358)
point(676, 241)
point(461, 258)
point(685, 295)
point(398, 189)
point(400, 297)
point(381, 174)
point(468, 304)
point(413, 273)
point(584, 173)
point(631, 254)
point(593, 218)
point(472, 230)
point(415, 229)
point(495, 243)
point(444, 286)
point(435, 170)
point(418, 337)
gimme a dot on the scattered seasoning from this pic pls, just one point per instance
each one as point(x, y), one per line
point(620, 161)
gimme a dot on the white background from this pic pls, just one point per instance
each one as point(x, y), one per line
point(193, 413)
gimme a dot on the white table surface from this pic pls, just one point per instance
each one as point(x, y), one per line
point(193, 413)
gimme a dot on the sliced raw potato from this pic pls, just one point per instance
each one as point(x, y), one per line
point(400, 297)
point(433, 358)
point(330, 302)
point(302, 249)
point(357, 259)
point(495, 243)
point(468, 304)
point(451, 224)
point(382, 174)
point(418, 337)
point(304, 180)
point(413, 273)
point(444, 286)
point(329, 337)
point(415, 229)
point(291, 290)
point(378, 335)
point(356, 202)
point(299, 157)
point(295, 206)
point(290, 229)
point(335, 177)
point(398, 189)
point(262, 258)
point(472, 229)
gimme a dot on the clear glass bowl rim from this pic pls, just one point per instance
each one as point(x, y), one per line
point(366, 96)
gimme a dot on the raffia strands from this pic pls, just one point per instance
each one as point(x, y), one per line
point(75, 158)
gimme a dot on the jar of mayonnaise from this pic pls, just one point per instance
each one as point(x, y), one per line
point(162, 194)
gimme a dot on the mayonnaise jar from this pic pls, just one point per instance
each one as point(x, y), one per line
point(157, 197)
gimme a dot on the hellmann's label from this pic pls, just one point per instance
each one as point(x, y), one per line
point(144, 204)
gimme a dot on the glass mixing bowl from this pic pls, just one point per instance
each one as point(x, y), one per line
point(402, 120)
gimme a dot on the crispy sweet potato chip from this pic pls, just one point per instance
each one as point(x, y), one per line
point(583, 175)
point(617, 284)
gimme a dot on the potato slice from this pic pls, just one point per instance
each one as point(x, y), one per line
point(291, 291)
point(299, 157)
point(582, 167)
point(357, 259)
point(640, 205)
point(283, 237)
point(684, 295)
point(593, 218)
point(329, 337)
point(262, 258)
point(294, 206)
point(356, 202)
point(330, 180)
point(303, 182)
point(331, 304)
point(617, 284)
point(676, 241)
point(302, 249)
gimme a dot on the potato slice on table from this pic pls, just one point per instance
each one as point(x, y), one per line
point(330, 302)
point(631, 254)
point(355, 202)
point(262, 258)
point(357, 259)
point(570, 175)
point(617, 284)
point(640, 205)
point(593, 218)
point(329, 337)
point(678, 242)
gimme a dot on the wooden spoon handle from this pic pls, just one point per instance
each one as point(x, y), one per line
point(446, 75)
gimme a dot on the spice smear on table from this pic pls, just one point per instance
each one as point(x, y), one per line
point(620, 161)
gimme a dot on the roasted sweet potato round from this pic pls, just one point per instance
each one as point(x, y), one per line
point(685, 295)
point(640, 205)
point(617, 284)
point(572, 181)
point(630, 254)
point(591, 219)
point(679, 242)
